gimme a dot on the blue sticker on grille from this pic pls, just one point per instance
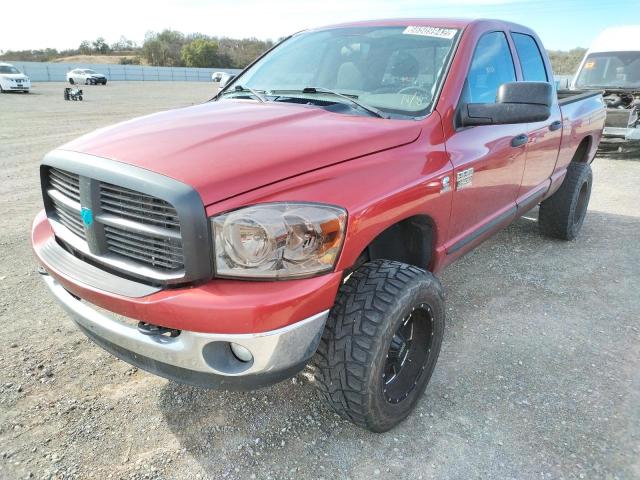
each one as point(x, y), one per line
point(87, 216)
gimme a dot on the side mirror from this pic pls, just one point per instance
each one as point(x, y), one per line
point(516, 102)
point(225, 80)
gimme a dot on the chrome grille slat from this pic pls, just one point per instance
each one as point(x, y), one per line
point(138, 207)
point(143, 258)
point(148, 217)
point(137, 227)
point(156, 209)
point(64, 192)
point(65, 177)
point(168, 253)
point(147, 256)
point(151, 243)
point(108, 193)
point(65, 189)
point(72, 222)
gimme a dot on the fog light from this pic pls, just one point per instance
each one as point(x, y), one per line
point(241, 353)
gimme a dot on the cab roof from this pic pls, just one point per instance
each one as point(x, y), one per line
point(459, 23)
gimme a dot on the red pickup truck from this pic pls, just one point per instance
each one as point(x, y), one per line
point(303, 212)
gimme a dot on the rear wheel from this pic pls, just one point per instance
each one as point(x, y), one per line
point(563, 213)
point(381, 343)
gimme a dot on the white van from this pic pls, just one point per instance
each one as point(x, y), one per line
point(612, 64)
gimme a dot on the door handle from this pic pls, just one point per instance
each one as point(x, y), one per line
point(519, 140)
point(555, 126)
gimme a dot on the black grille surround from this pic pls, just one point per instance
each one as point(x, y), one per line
point(137, 222)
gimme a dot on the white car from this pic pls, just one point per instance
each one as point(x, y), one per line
point(221, 78)
point(85, 76)
point(13, 80)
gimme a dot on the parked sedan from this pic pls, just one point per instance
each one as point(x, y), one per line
point(13, 80)
point(86, 76)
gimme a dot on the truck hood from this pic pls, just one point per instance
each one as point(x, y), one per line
point(229, 147)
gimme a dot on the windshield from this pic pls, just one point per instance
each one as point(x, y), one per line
point(396, 70)
point(89, 71)
point(610, 70)
point(8, 69)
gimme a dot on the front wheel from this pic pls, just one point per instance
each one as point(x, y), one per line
point(381, 343)
point(562, 214)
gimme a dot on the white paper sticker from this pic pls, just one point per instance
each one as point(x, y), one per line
point(437, 32)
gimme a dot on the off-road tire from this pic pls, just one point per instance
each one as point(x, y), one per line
point(562, 214)
point(351, 358)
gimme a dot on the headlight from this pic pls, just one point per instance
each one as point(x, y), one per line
point(278, 240)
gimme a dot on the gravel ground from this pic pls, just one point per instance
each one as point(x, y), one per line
point(539, 375)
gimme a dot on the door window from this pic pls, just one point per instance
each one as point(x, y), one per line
point(491, 66)
point(530, 58)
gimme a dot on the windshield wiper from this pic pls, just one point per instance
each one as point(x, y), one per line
point(240, 88)
point(368, 108)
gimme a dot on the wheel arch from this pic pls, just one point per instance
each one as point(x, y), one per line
point(410, 240)
point(583, 153)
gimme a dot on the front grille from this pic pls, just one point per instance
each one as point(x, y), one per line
point(130, 225)
point(64, 192)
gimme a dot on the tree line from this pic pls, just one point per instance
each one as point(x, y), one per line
point(168, 48)
point(171, 48)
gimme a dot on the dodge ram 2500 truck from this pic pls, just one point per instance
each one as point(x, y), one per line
point(301, 215)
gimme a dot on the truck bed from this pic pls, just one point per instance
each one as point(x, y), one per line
point(569, 96)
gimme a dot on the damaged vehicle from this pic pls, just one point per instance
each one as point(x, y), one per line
point(302, 215)
point(612, 64)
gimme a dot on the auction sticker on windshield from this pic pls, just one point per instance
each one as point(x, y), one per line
point(437, 32)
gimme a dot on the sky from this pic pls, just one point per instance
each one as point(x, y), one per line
point(561, 24)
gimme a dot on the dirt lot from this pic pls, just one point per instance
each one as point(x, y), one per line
point(539, 375)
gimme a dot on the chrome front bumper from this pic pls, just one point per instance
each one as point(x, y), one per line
point(203, 359)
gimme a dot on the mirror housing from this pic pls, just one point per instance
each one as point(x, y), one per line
point(226, 80)
point(516, 102)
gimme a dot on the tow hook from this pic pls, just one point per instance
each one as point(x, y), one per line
point(156, 330)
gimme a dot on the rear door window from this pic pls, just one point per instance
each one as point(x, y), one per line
point(530, 58)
